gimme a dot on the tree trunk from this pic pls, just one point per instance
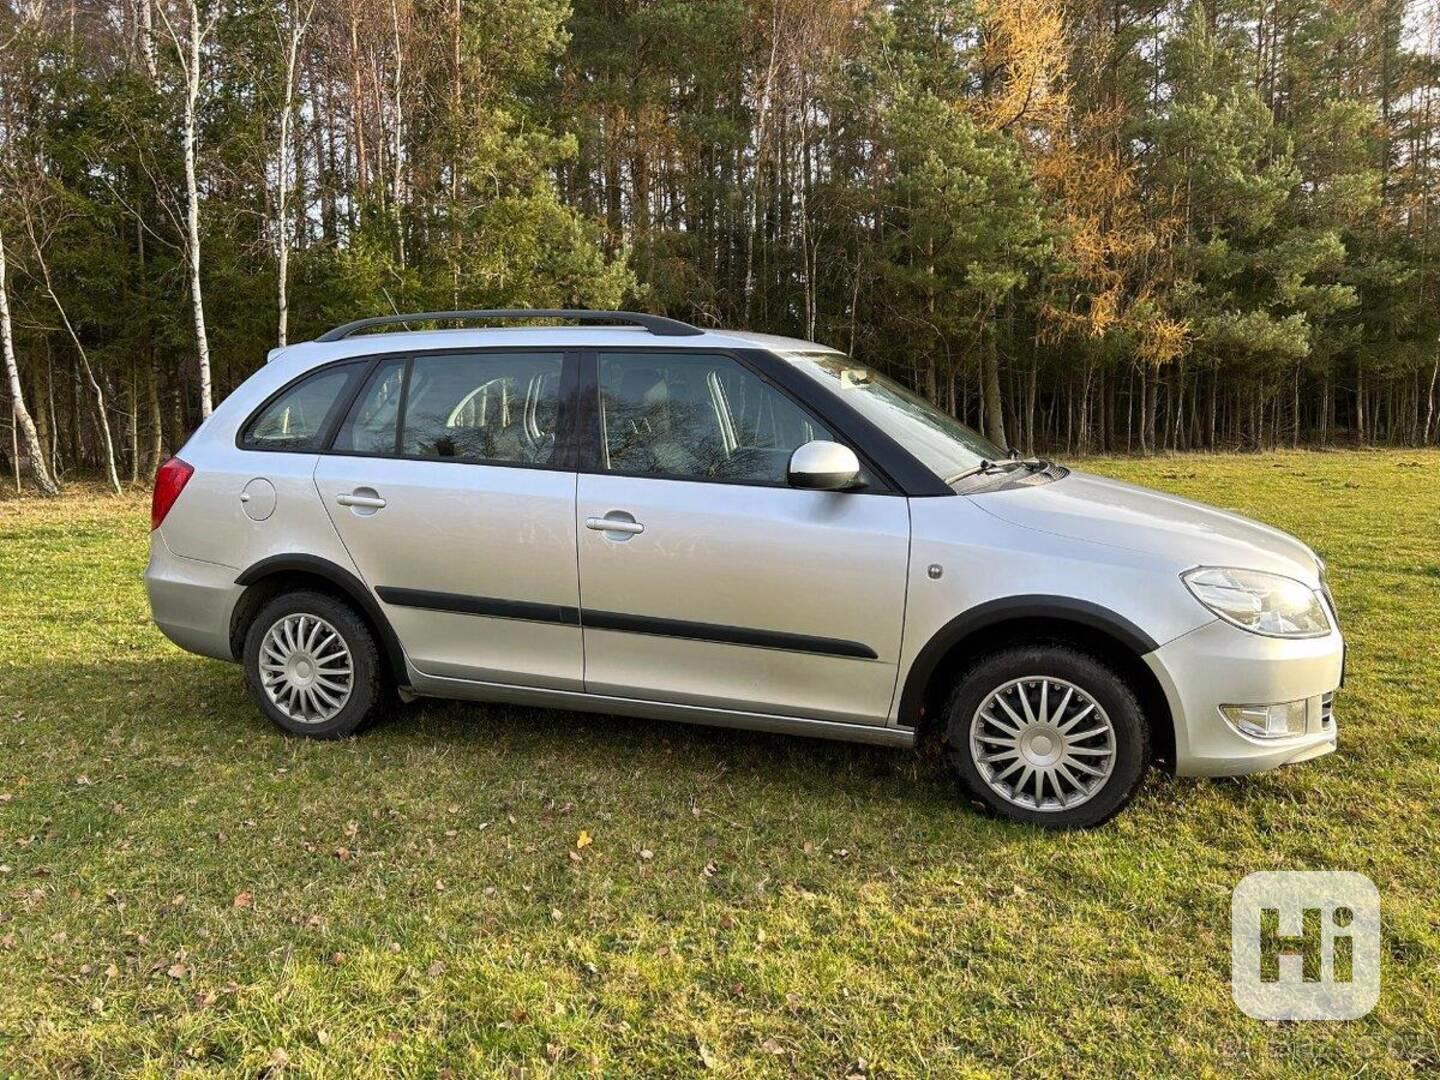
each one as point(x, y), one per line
point(157, 420)
point(994, 413)
point(23, 420)
point(1030, 393)
point(102, 418)
point(191, 69)
point(282, 193)
point(1360, 402)
point(1430, 404)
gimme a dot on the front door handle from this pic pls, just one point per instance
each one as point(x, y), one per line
point(358, 498)
point(627, 525)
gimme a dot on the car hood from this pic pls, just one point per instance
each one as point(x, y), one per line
point(1110, 512)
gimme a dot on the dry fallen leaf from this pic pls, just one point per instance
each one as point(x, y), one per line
point(244, 900)
point(556, 914)
point(646, 854)
point(279, 1058)
point(710, 869)
point(176, 971)
point(770, 1046)
point(435, 970)
point(583, 840)
point(574, 856)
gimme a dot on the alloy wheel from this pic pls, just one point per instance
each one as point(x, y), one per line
point(306, 668)
point(1042, 743)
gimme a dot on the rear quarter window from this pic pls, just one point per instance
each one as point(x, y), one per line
point(299, 416)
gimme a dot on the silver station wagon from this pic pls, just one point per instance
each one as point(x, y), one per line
point(630, 515)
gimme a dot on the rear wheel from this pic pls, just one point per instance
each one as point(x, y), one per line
point(312, 665)
point(1047, 734)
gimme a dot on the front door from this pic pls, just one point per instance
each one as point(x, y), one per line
point(445, 486)
point(705, 579)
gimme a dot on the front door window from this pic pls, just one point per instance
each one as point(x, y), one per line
point(697, 416)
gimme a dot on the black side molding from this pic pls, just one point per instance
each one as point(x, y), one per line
point(479, 605)
point(490, 607)
point(993, 612)
point(729, 635)
point(347, 583)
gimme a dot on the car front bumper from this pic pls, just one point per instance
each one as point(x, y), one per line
point(1218, 664)
point(191, 600)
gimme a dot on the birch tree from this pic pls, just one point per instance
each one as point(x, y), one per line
point(187, 53)
point(30, 207)
point(23, 419)
point(296, 23)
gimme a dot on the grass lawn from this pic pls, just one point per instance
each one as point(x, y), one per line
point(184, 889)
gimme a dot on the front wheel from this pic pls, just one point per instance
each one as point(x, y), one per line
point(1047, 734)
point(312, 665)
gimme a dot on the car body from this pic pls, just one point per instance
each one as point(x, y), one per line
point(735, 529)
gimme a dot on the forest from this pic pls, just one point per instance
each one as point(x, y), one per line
point(1083, 226)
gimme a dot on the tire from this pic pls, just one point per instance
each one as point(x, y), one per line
point(1047, 748)
point(324, 623)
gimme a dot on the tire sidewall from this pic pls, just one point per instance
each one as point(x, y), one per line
point(366, 687)
point(1093, 676)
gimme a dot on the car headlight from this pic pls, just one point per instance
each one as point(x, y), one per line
point(1261, 603)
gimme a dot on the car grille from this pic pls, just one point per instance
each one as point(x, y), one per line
point(1327, 711)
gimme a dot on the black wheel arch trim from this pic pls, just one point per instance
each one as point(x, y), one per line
point(1082, 613)
point(347, 583)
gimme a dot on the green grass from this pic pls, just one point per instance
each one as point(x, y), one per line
point(749, 905)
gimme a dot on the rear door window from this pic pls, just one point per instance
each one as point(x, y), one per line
point(371, 426)
point(493, 407)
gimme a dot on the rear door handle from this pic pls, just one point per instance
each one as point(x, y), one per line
point(373, 502)
point(614, 525)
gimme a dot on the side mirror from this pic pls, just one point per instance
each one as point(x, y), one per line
point(823, 466)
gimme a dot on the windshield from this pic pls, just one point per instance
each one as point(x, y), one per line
point(941, 443)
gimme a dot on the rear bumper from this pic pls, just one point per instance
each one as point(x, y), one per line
point(1219, 664)
point(191, 601)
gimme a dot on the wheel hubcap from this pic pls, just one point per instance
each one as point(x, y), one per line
point(1042, 743)
point(305, 668)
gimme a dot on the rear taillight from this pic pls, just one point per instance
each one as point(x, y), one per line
point(169, 482)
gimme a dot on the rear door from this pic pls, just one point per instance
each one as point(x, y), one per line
point(705, 578)
point(451, 486)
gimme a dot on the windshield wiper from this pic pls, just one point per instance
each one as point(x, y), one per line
point(989, 468)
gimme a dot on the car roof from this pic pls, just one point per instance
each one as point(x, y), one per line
point(308, 354)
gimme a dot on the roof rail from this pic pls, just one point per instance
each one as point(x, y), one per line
point(656, 324)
